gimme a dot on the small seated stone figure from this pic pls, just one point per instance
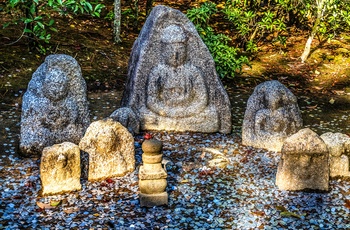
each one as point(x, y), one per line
point(176, 89)
point(271, 116)
point(127, 118)
point(172, 82)
point(55, 107)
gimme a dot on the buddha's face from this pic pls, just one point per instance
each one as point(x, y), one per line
point(106, 140)
point(55, 85)
point(174, 53)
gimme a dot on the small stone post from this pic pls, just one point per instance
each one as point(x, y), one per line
point(152, 176)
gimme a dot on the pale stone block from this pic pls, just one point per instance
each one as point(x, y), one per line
point(339, 146)
point(111, 149)
point(60, 168)
point(304, 163)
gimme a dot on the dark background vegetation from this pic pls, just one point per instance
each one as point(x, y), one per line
point(275, 53)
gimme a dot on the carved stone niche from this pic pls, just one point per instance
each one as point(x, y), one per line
point(172, 82)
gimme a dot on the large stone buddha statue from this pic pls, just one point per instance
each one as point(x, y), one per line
point(172, 83)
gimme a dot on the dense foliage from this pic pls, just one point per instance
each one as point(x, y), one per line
point(35, 15)
point(232, 29)
point(225, 56)
point(252, 21)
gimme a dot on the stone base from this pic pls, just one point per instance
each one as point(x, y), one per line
point(151, 200)
point(206, 122)
point(61, 187)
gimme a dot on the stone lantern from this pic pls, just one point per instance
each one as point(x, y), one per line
point(152, 176)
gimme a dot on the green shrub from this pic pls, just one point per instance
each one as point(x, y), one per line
point(226, 57)
point(35, 15)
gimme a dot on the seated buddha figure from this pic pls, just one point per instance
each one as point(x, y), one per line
point(177, 94)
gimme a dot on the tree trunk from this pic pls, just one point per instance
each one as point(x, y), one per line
point(307, 48)
point(320, 9)
point(116, 22)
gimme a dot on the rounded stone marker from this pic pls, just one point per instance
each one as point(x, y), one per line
point(152, 146)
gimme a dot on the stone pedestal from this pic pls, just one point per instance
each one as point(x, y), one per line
point(152, 176)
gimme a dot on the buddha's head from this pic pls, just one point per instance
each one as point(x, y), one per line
point(174, 45)
point(55, 85)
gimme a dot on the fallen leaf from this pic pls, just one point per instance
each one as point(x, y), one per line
point(281, 208)
point(184, 181)
point(244, 159)
point(290, 214)
point(55, 203)
point(71, 210)
point(109, 181)
point(96, 214)
point(147, 136)
point(258, 213)
point(347, 204)
point(44, 206)
point(331, 101)
point(311, 107)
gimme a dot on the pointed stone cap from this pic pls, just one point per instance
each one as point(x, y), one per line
point(305, 141)
point(152, 146)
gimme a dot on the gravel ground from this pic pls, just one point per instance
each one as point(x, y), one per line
point(242, 195)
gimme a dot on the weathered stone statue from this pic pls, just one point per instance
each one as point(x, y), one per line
point(172, 83)
point(271, 116)
point(339, 147)
point(60, 168)
point(55, 107)
point(152, 176)
point(111, 149)
point(304, 163)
